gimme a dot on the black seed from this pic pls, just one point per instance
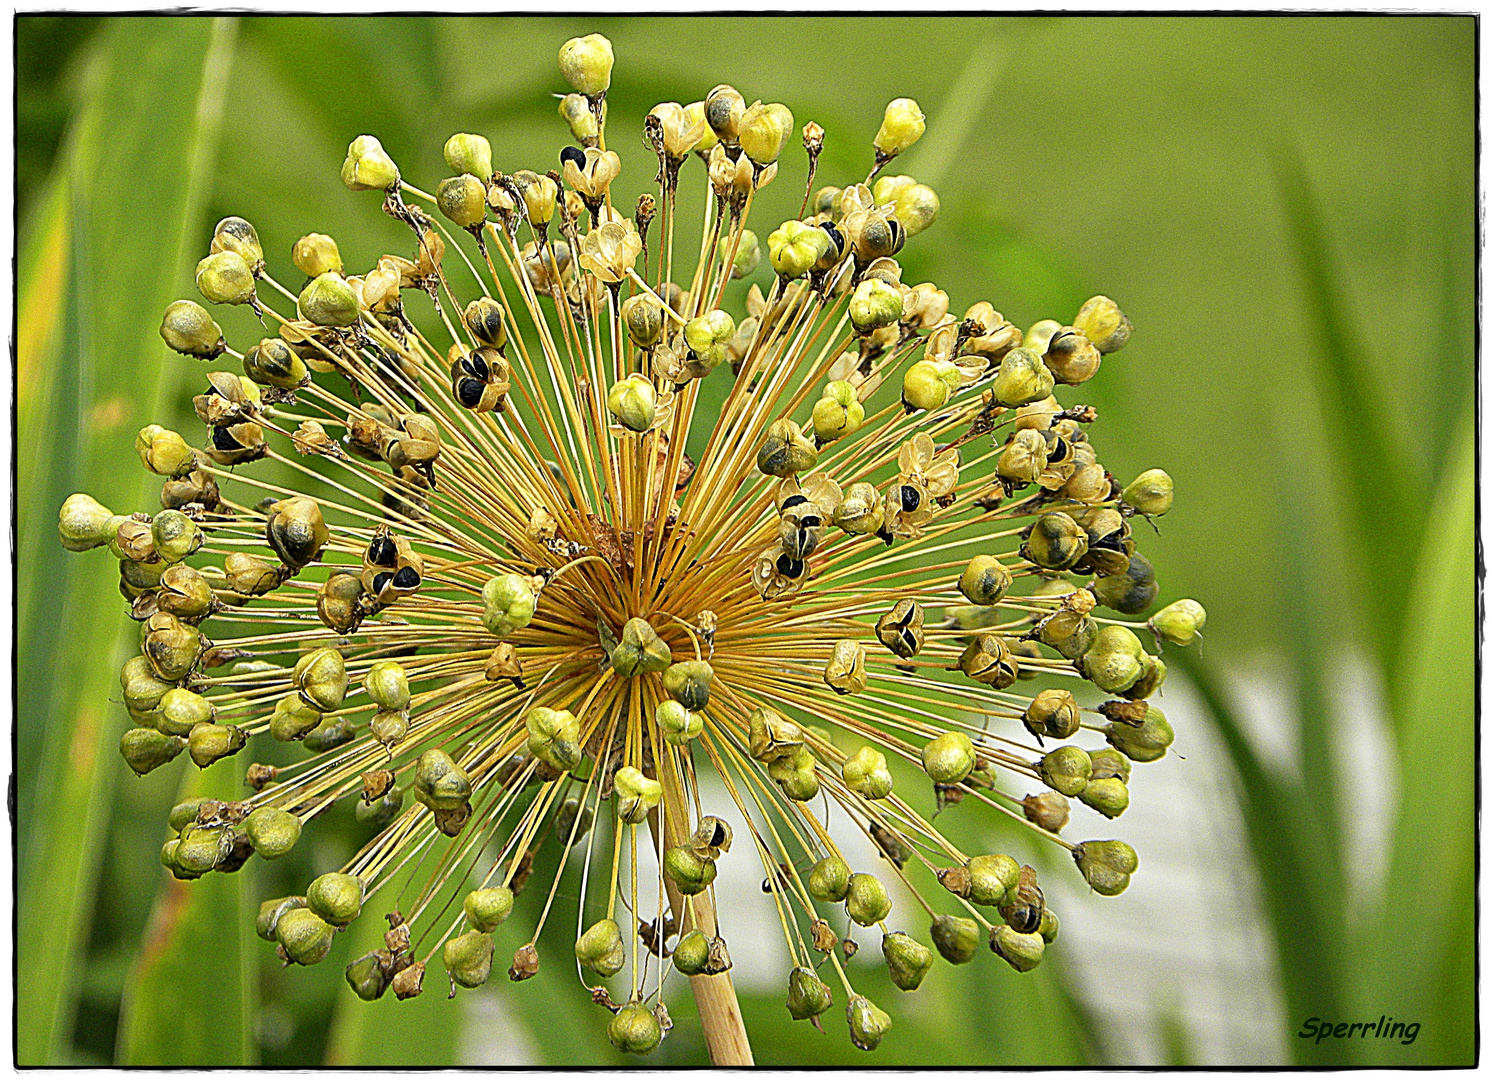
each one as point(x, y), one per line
point(469, 392)
point(478, 366)
point(910, 498)
point(223, 440)
point(794, 500)
point(379, 581)
point(788, 566)
point(407, 578)
point(835, 235)
point(575, 154)
point(382, 552)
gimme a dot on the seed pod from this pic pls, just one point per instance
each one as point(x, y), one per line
point(270, 912)
point(224, 278)
point(191, 331)
point(1106, 865)
point(1056, 542)
point(321, 678)
point(1150, 493)
point(785, 451)
point(795, 248)
point(866, 774)
point(1066, 769)
point(83, 523)
point(408, 982)
point(293, 719)
point(1022, 379)
point(688, 682)
point(797, 774)
point(1023, 905)
point(174, 536)
point(900, 629)
point(145, 749)
point(634, 1029)
point(873, 305)
point(1020, 951)
point(1024, 458)
point(368, 167)
point(439, 782)
point(1049, 926)
point(576, 112)
point(508, 603)
point(771, 737)
point(339, 602)
point(867, 901)
point(763, 131)
point(992, 878)
point(928, 384)
point(829, 880)
point(1152, 678)
point(305, 937)
point(807, 996)
point(180, 710)
point(1131, 592)
point(274, 363)
point(1069, 633)
point(1101, 321)
point(902, 126)
point(315, 254)
point(572, 821)
point(642, 314)
point(468, 958)
point(171, 646)
point(469, 154)
point(1054, 714)
point(554, 737)
point(329, 736)
point(956, 938)
point(164, 452)
point(677, 723)
point(1109, 796)
point(949, 758)
point(601, 948)
point(860, 512)
point(250, 575)
point(462, 199)
point(987, 659)
point(1147, 742)
point(185, 593)
point(692, 953)
point(381, 810)
point(845, 671)
point(687, 870)
point(203, 848)
point(907, 959)
point(184, 813)
point(387, 685)
point(868, 1024)
point(210, 742)
point(504, 664)
point(640, 650)
point(586, 63)
point(1113, 662)
point(838, 412)
point(917, 208)
point(272, 832)
point(1180, 623)
point(707, 336)
point(1071, 357)
point(1109, 762)
point(368, 976)
point(489, 908)
point(296, 531)
point(337, 898)
point(636, 794)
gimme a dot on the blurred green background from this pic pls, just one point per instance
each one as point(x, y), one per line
point(1285, 207)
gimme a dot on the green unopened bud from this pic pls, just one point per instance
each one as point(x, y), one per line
point(928, 384)
point(634, 1029)
point(368, 167)
point(678, 724)
point(907, 959)
point(992, 878)
point(1066, 769)
point(586, 62)
point(795, 246)
point(439, 782)
point(508, 603)
point(293, 719)
point(270, 912)
point(601, 949)
point(902, 126)
point(487, 909)
point(84, 523)
point(463, 199)
point(321, 677)
point(916, 208)
point(163, 452)
point(271, 832)
point(1106, 865)
point(785, 451)
point(554, 737)
point(709, 335)
point(315, 254)
point(328, 300)
point(1053, 714)
point(387, 684)
point(838, 412)
point(304, 935)
point(692, 954)
point(807, 995)
point(208, 743)
point(633, 402)
point(764, 130)
point(688, 682)
point(692, 874)
point(469, 154)
point(1147, 742)
point(866, 774)
point(1180, 623)
point(829, 880)
point(868, 1024)
point(956, 938)
point(873, 305)
point(1056, 542)
point(1103, 323)
point(145, 749)
point(468, 958)
point(949, 758)
point(636, 794)
point(368, 977)
point(1022, 378)
point(1151, 492)
point(1114, 662)
point(337, 898)
point(191, 331)
point(867, 901)
point(1021, 951)
point(174, 535)
point(225, 278)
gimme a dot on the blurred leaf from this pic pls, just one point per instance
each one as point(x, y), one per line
point(157, 81)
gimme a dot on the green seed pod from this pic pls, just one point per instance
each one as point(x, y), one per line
point(987, 659)
point(1066, 769)
point(164, 452)
point(633, 402)
point(368, 167)
point(143, 690)
point(902, 126)
point(191, 331)
point(508, 603)
point(304, 935)
point(1148, 742)
point(1150, 493)
point(238, 236)
point(1114, 662)
point(900, 629)
point(907, 959)
point(838, 412)
point(462, 199)
point(296, 531)
point(1040, 335)
point(642, 314)
point(484, 318)
point(381, 811)
point(184, 813)
point(387, 685)
point(487, 909)
point(795, 247)
point(688, 683)
point(1071, 357)
point(1056, 542)
point(315, 254)
point(866, 774)
point(861, 511)
point(1069, 633)
point(1152, 678)
point(763, 131)
point(468, 958)
point(368, 976)
point(1020, 951)
point(469, 154)
point(576, 112)
point(829, 880)
point(225, 278)
point(572, 817)
point(1106, 865)
point(250, 575)
point(928, 384)
point(873, 305)
point(329, 736)
point(1109, 796)
point(270, 912)
point(1024, 458)
point(540, 193)
point(1053, 714)
point(271, 832)
point(867, 902)
point(321, 677)
point(771, 737)
point(329, 300)
point(145, 749)
point(337, 898)
point(209, 742)
point(800, 784)
point(171, 646)
point(339, 602)
point(586, 63)
point(174, 535)
point(916, 207)
point(634, 1029)
point(1109, 762)
point(601, 948)
point(807, 996)
point(203, 847)
point(748, 255)
point(692, 954)
point(439, 782)
point(956, 938)
point(292, 719)
point(274, 363)
point(185, 593)
point(785, 451)
point(1180, 623)
point(636, 794)
point(554, 737)
point(1022, 379)
point(845, 671)
point(678, 724)
point(180, 710)
point(1101, 321)
point(389, 726)
point(1049, 926)
point(83, 523)
point(692, 874)
point(708, 337)
point(949, 758)
point(868, 1024)
point(992, 878)
point(1131, 592)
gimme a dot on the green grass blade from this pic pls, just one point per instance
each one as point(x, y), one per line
point(130, 212)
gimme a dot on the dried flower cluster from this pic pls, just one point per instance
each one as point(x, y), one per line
point(530, 592)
